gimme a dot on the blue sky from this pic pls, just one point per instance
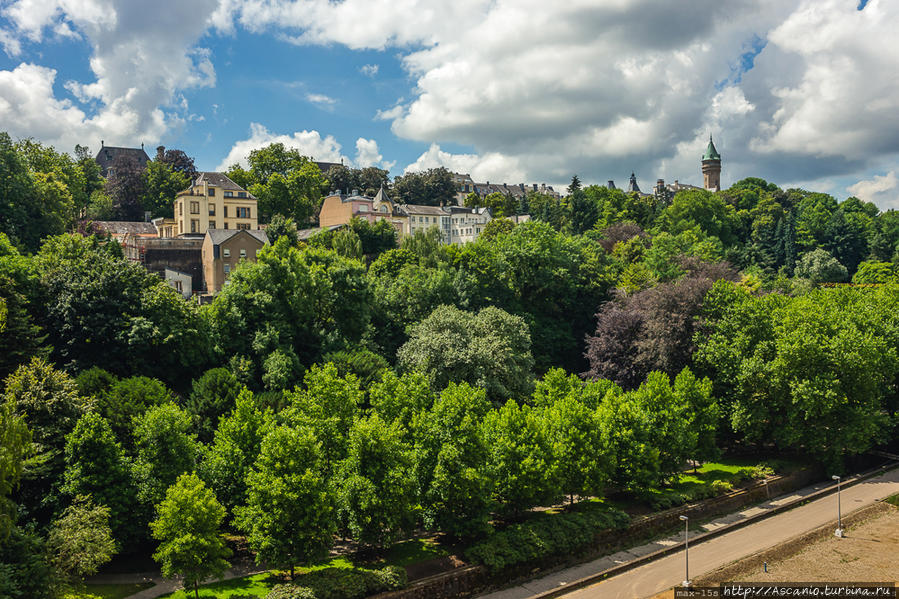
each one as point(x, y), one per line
point(795, 91)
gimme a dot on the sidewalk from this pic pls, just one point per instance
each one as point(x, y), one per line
point(161, 585)
point(564, 577)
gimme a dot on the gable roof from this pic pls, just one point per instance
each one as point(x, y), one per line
point(219, 180)
point(220, 236)
point(424, 210)
point(121, 227)
point(108, 154)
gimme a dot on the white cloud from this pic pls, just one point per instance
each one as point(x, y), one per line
point(142, 55)
point(308, 143)
point(321, 100)
point(368, 154)
point(489, 167)
point(882, 189)
point(369, 70)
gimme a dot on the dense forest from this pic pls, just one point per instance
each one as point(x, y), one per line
point(361, 385)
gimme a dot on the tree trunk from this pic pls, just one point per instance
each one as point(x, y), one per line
point(197, 589)
point(291, 571)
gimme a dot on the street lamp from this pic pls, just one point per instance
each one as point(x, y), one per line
point(686, 520)
point(839, 531)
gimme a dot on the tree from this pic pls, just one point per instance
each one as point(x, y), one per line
point(820, 267)
point(162, 182)
point(25, 572)
point(377, 488)
point(451, 462)
point(165, 447)
point(127, 399)
point(96, 466)
point(15, 445)
point(433, 187)
point(496, 227)
point(704, 209)
point(234, 449)
point(398, 398)
point(187, 526)
point(880, 273)
point(178, 161)
point(519, 459)
point(289, 516)
point(212, 395)
point(80, 540)
point(327, 405)
point(489, 349)
point(49, 402)
point(281, 226)
point(126, 186)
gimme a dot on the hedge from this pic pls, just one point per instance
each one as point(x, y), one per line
point(557, 534)
point(341, 583)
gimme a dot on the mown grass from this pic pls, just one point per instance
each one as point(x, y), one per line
point(105, 591)
point(893, 499)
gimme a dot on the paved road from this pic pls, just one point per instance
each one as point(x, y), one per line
point(667, 572)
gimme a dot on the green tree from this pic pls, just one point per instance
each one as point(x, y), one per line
point(820, 267)
point(489, 349)
point(25, 572)
point(433, 187)
point(127, 399)
point(212, 395)
point(161, 184)
point(377, 489)
point(876, 272)
point(451, 462)
point(15, 445)
point(187, 526)
point(703, 209)
point(398, 398)
point(96, 466)
point(80, 540)
point(519, 459)
point(281, 226)
point(233, 451)
point(165, 447)
point(289, 516)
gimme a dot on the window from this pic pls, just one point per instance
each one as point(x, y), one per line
point(241, 194)
point(226, 226)
point(226, 252)
point(229, 194)
point(243, 253)
point(243, 212)
point(180, 208)
point(225, 213)
point(383, 208)
point(227, 268)
point(363, 208)
point(212, 192)
point(244, 226)
point(211, 209)
point(195, 207)
point(194, 225)
point(212, 224)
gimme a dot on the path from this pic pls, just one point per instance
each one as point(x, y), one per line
point(668, 571)
point(162, 585)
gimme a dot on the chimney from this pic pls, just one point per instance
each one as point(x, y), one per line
point(675, 183)
point(102, 144)
point(535, 187)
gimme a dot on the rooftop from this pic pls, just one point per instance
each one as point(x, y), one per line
point(220, 236)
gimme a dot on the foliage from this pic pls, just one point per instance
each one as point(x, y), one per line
point(289, 516)
point(126, 185)
point(162, 183)
point(96, 467)
point(878, 273)
point(25, 572)
point(235, 447)
point(556, 534)
point(15, 445)
point(187, 526)
point(341, 583)
point(820, 267)
point(433, 187)
point(397, 398)
point(364, 363)
point(80, 540)
point(281, 226)
point(376, 489)
point(489, 349)
point(165, 447)
point(451, 461)
point(212, 395)
point(127, 399)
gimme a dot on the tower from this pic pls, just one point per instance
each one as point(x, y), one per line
point(711, 167)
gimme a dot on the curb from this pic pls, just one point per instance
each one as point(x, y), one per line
point(636, 563)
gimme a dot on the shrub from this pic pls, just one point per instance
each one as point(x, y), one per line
point(559, 534)
point(341, 583)
point(756, 472)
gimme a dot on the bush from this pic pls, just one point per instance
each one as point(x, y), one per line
point(756, 472)
point(558, 534)
point(341, 583)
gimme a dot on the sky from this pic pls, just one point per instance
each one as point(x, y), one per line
point(804, 93)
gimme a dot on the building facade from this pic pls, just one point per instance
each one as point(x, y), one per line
point(465, 185)
point(107, 155)
point(224, 250)
point(711, 167)
point(214, 202)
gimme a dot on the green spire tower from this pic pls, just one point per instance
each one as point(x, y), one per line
point(711, 167)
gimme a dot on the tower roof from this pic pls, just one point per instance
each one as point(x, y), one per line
point(710, 152)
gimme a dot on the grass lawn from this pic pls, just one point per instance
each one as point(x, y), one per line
point(106, 591)
point(257, 585)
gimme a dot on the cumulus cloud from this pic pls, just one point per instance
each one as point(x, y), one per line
point(308, 143)
point(794, 89)
point(488, 167)
point(142, 55)
point(369, 70)
point(368, 154)
point(882, 190)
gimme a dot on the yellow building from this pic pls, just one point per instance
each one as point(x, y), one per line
point(214, 202)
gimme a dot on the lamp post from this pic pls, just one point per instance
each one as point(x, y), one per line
point(686, 520)
point(839, 531)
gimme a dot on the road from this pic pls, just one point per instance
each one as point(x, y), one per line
point(667, 572)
